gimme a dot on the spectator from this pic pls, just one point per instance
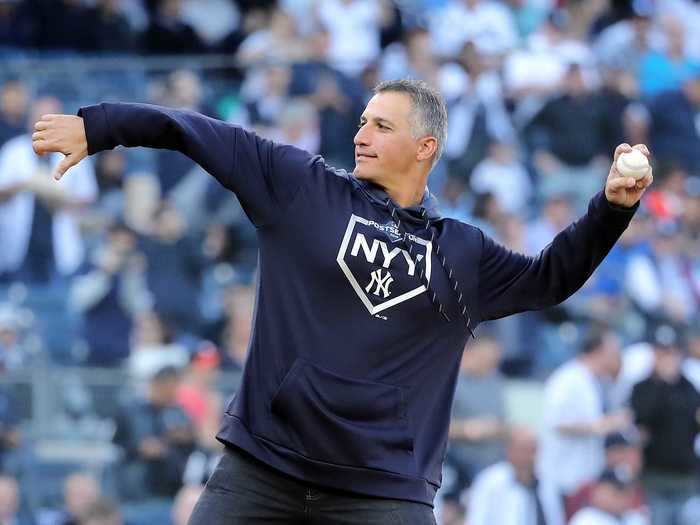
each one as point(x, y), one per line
point(507, 493)
point(534, 73)
point(337, 97)
point(17, 25)
point(38, 217)
point(81, 491)
point(213, 20)
point(574, 416)
point(477, 113)
point(666, 70)
point(486, 23)
point(111, 31)
point(623, 44)
point(62, 26)
point(567, 138)
point(354, 29)
point(198, 397)
point(174, 264)
point(13, 109)
point(673, 135)
point(168, 33)
point(153, 346)
point(156, 437)
point(236, 333)
point(412, 58)
point(657, 281)
point(10, 513)
point(478, 422)
point(104, 511)
point(503, 175)
point(611, 499)
point(667, 408)
point(622, 450)
point(624, 120)
point(184, 503)
point(183, 89)
point(110, 292)
point(556, 213)
point(298, 126)
point(277, 42)
point(455, 202)
point(110, 172)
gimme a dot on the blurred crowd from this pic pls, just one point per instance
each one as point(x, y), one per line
point(139, 263)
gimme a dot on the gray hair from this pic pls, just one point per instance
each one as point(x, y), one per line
point(428, 110)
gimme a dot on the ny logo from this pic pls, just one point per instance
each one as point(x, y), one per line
point(381, 282)
point(363, 252)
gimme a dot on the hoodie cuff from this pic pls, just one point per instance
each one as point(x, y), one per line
point(609, 213)
point(96, 128)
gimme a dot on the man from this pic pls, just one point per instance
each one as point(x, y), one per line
point(478, 423)
point(110, 293)
point(344, 405)
point(574, 419)
point(612, 502)
point(622, 450)
point(39, 229)
point(81, 490)
point(667, 409)
point(157, 437)
point(507, 492)
point(672, 130)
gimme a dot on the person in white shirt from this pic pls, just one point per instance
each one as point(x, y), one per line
point(38, 222)
point(574, 419)
point(354, 27)
point(507, 493)
point(487, 23)
point(611, 501)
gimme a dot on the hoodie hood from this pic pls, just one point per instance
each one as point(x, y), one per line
point(377, 195)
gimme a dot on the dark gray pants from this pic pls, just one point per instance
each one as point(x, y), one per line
point(244, 491)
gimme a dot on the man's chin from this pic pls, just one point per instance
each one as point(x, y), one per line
point(361, 174)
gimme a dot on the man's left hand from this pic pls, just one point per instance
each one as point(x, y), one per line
point(626, 191)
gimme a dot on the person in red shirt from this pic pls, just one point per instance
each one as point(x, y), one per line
point(622, 449)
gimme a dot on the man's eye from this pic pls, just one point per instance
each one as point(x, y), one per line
point(381, 126)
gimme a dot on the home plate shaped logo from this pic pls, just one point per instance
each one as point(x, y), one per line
point(378, 266)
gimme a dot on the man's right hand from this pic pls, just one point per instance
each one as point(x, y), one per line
point(64, 134)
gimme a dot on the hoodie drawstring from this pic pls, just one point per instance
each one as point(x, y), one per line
point(432, 294)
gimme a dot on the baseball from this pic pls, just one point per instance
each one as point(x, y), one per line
point(633, 164)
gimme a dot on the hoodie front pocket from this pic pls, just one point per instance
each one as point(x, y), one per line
point(346, 421)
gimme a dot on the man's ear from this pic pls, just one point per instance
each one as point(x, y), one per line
point(427, 146)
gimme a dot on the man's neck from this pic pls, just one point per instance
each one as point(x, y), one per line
point(406, 195)
point(591, 364)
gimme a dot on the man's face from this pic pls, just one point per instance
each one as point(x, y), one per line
point(627, 456)
point(522, 450)
point(384, 146)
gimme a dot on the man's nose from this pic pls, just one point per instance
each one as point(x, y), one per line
point(361, 137)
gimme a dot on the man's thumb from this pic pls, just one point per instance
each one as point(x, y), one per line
point(68, 162)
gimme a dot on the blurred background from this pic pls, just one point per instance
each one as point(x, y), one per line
point(126, 291)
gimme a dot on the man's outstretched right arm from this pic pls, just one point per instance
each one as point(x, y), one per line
point(264, 175)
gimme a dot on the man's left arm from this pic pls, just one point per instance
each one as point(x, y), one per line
point(510, 283)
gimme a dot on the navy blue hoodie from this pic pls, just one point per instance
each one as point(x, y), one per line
point(351, 370)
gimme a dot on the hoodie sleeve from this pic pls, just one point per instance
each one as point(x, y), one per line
point(265, 176)
point(510, 282)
